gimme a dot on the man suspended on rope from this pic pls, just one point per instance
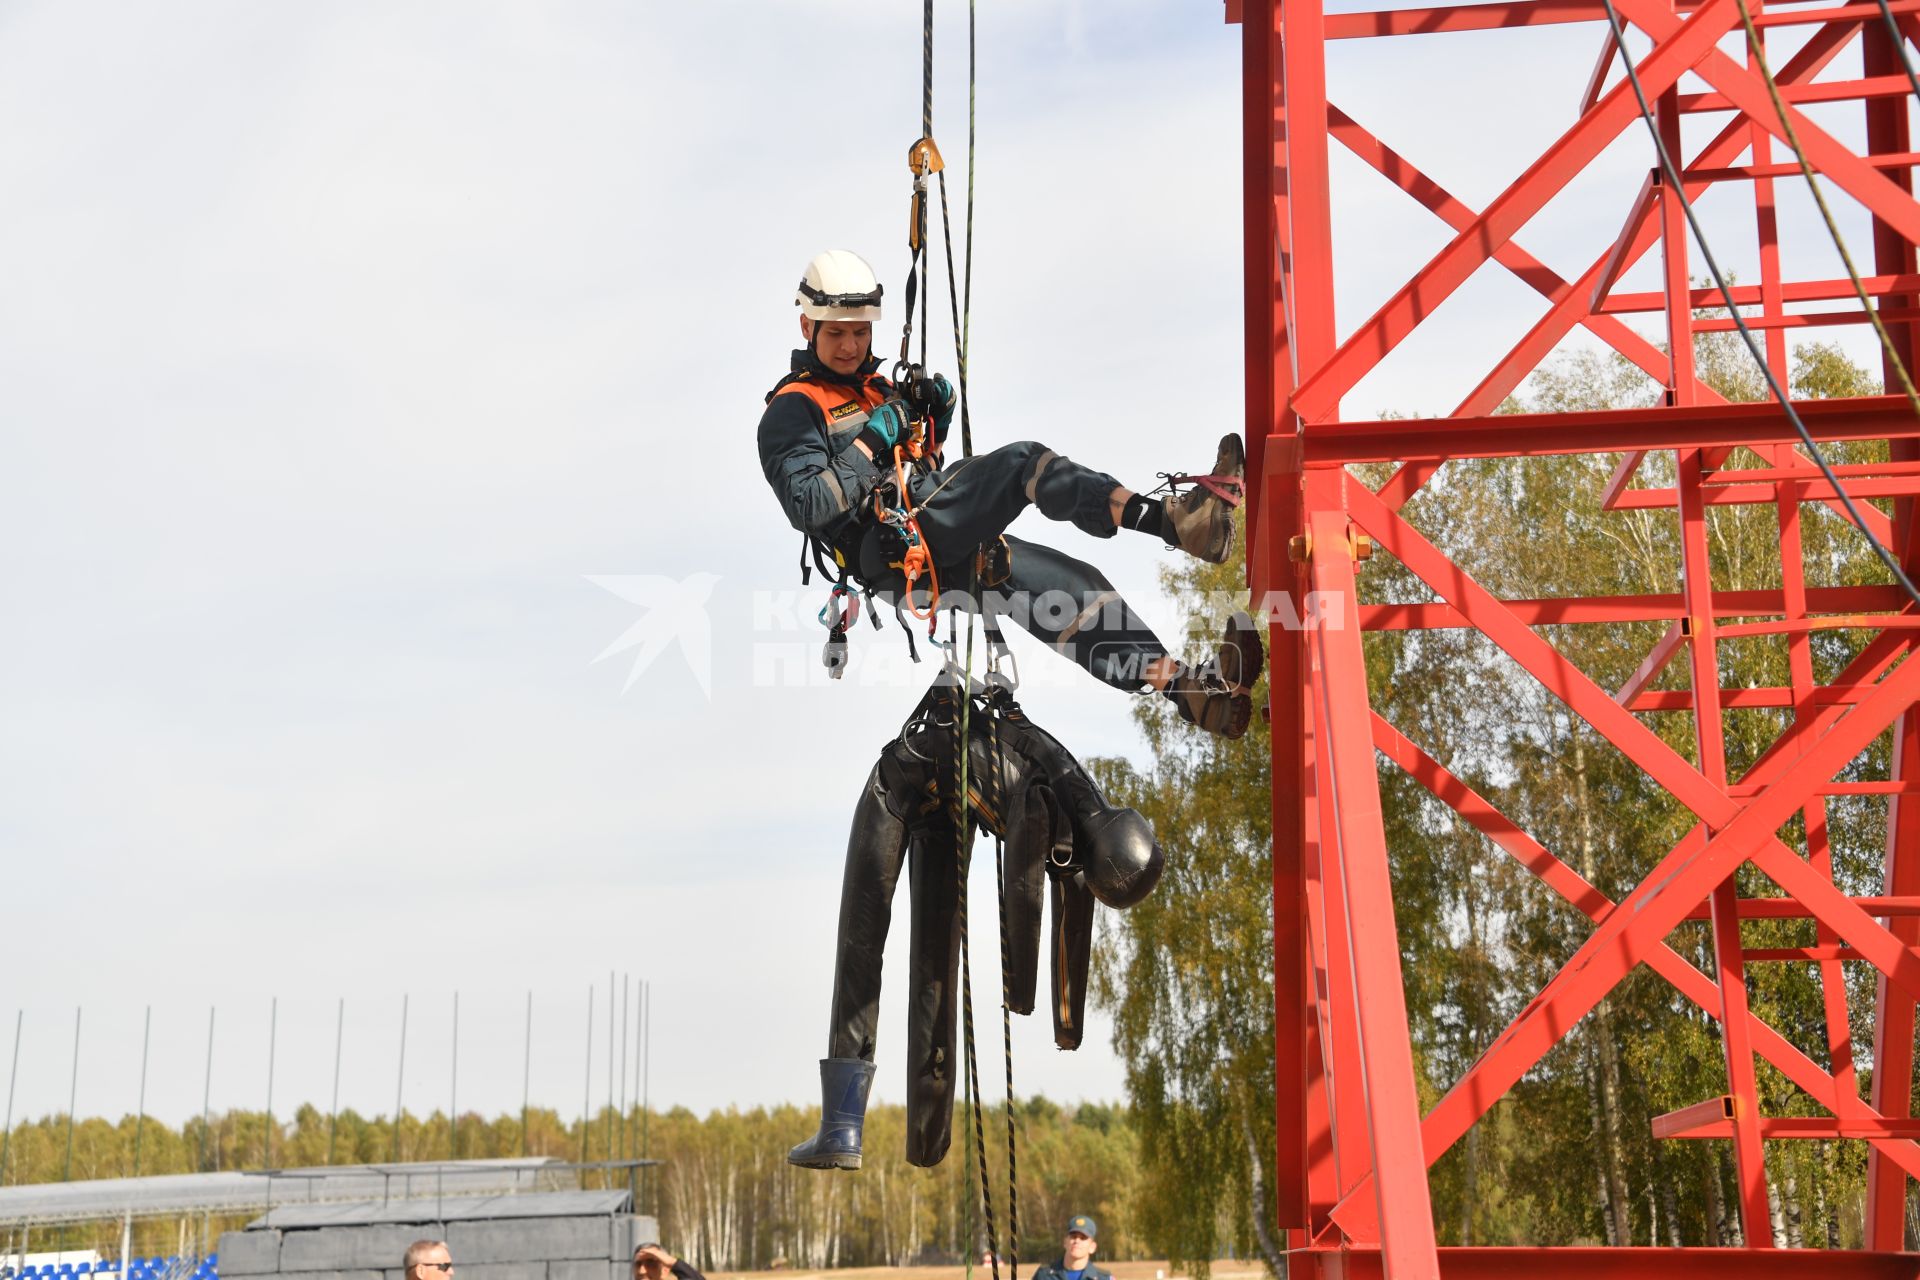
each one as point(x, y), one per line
point(838, 445)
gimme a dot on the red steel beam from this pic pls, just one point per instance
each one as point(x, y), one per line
point(1791, 908)
point(1652, 665)
point(1434, 19)
point(1749, 1161)
point(1425, 616)
point(1888, 131)
point(1339, 1029)
point(1527, 435)
point(1748, 495)
point(1682, 700)
point(1716, 1117)
point(1752, 296)
point(1403, 1211)
point(1742, 172)
point(1825, 91)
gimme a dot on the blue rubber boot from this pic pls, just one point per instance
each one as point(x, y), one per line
point(844, 1083)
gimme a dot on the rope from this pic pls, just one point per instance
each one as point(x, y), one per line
point(962, 316)
point(960, 324)
point(1826, 214)
point(962, 313)
point(997, 802)
point(966, 1177)
point(962, 862)
point(1678, 188)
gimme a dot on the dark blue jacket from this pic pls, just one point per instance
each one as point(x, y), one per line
point(1057, 1270)
point(821, 479)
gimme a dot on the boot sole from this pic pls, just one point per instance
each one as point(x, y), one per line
point(848, 1162)
point(1243, 639)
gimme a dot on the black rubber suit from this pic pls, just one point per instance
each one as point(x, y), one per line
point(826, 487)
point(1064, 841)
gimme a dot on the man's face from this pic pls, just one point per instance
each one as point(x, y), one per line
point(1078, 1249)
point(842, 345)
point(437, 1265)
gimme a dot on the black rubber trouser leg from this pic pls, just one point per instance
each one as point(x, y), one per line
point(933, 975)
point(876, 848)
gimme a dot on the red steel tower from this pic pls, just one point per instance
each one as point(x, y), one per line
point(1354, 1146)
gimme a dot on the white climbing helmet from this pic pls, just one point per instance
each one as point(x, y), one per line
point(839, 285)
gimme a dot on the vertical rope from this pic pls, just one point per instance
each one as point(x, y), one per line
point(966, 1175)
point(926, 131)
point(998, 805)
point(962, 803)
point(962, 862)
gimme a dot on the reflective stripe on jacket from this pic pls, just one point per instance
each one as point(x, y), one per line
point(806, 445)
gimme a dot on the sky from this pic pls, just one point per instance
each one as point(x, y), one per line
point(369, 370)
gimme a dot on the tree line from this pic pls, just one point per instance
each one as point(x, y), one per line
point(724, 1194)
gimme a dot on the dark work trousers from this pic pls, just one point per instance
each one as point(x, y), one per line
point(1065, 602)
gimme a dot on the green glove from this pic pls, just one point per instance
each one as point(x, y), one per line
point(886, 427)
point(945, 401)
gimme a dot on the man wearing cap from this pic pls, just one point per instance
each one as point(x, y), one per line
point(1076, 1255)
point(651, 1262)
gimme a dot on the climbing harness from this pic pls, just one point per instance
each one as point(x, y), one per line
point(917, 556)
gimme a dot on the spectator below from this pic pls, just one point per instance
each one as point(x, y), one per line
point(1076, 1255)
point(651, 1262)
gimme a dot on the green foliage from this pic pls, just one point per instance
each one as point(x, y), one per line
point(1187, 974)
